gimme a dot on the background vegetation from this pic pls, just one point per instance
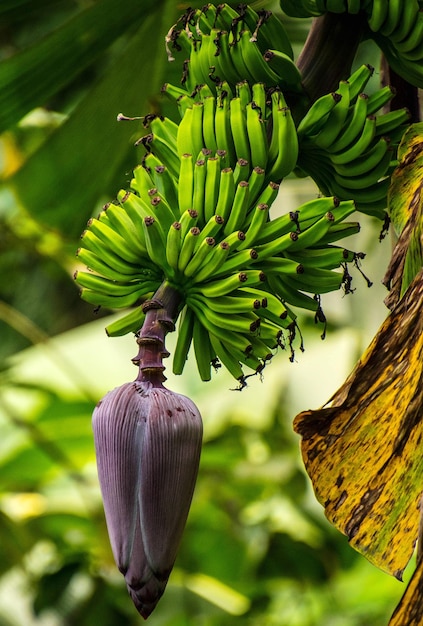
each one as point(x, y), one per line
point(257, 549)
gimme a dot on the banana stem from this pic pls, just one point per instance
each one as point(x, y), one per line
point(407, 95)
point(161, 313)
point(329, 51)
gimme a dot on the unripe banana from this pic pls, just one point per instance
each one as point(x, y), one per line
point(315, 118)
point(226, 193)
point(239, 130)
point(257, 135)
point(186, 183)
point(129, 323)
point(173, 245)
point(187, 248)
point(202, 350)
point(214, 261)
point(184, 339)
point(201, 255)
point(156, 242)
point(228, 360)
point(288, 73)
point(238, 213)
point(223, 287)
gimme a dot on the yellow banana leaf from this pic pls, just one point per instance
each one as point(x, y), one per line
point(406, 212)
point(363, 450)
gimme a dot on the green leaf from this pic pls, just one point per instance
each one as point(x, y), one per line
point(33, 75)
point(91, 146)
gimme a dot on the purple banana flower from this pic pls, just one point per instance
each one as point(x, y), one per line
point(148, 443)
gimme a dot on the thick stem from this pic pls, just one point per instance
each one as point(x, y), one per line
point(161, 313)
point(329, 51)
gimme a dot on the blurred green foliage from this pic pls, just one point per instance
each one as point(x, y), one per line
point(257, 550)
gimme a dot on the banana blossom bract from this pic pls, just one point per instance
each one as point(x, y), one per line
point(148, 443)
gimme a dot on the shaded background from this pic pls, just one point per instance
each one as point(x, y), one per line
point(257, 549)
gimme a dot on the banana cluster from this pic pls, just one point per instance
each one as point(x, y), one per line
point(197, 217)
point(226, 44)
point(395, 25)
point(251, 131)
point(349, 150)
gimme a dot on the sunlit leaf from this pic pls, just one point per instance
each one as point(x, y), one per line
point(363, 450)
point(406, 213)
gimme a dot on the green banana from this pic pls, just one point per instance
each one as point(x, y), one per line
point(241, 260)
point(379, 99)
point(188, 220)
point(100, 266)
point(105, 286)
point(156, 242)
point(292, 295)
point(131, 322)
point(254, 62)
point(359, 79)
point(285, 68)
point(226, 357)
point(202, 350)
point(243, 92)
point(209, 112)
point(378, 14)
point(316, 116)
point(223, 130)
point(186, 183)
point(201, 255)
point(107, 253)
point(257, 136)
point(233, 323)
point(260, 216)
point(212, 227)
point(235, 304)
point(256, 183)
point(362, 144)
point(354, 126)
point(184, 339)
point(113, 241)
point(239, 209)
point(241, 171)
point(111, 302)
point(226, 193)
point(118, 219)
point(223, 287)
point(212, 185)
point(287, 154)
point(198, 199)
point(187, 247)
point(328, 257)
point(366, 163)
point(173, 245)
point(239, 130)
point(259, 97)
point(315, 280)
point(336, 120)
point(184, 137)
point(407, 22)
point(216, 259)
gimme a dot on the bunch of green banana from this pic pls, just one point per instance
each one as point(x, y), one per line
point(227, 44)
point(314, 8)
point(253, 133)
point(349, 150)
point(395, 25)
point(206, 231)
